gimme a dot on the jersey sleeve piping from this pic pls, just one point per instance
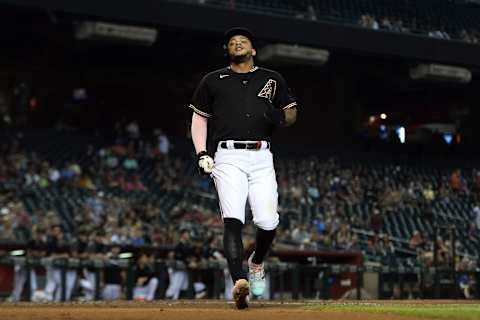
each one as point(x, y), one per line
point(290, 105)
point(200, 112)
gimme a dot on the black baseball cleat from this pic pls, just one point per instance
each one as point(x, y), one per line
point(240, 293)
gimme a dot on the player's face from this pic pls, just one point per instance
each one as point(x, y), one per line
point(240, 49)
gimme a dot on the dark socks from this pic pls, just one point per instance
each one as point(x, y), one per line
point(233, 246)
point(264, 240)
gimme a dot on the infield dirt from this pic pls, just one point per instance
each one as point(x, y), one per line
point(186, 310)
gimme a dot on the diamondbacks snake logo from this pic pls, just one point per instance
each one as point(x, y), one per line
point(268, 90)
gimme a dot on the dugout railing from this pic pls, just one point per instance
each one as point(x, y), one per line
point(287, 281)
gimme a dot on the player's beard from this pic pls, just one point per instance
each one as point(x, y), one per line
point(240, 58)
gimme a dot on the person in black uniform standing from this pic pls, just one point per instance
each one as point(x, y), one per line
point(240, 106)
point(113, 275)
point(59, 249)
point(146, 282)
point(178, 275)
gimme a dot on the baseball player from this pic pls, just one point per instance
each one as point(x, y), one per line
point(146, 282)
point(239, 107)
point(35, 251)
point(178, 276)
point(59, 248)
point(93, 249)
point(113, 275)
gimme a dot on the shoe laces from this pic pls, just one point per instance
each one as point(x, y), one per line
point(257, 270)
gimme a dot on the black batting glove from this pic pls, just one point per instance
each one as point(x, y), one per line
point(275, 116)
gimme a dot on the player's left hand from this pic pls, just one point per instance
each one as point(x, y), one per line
point(274, 116)
point(205, 163)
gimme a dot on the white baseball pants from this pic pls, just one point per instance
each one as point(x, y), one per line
point(241, 174)
point(112, 292)
point(19, 282)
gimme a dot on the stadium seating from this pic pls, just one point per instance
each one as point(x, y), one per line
point(400, 219)
point(420, 17)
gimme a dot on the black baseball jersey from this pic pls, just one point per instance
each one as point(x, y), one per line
point(57, 246)
point(96, 247)
point(235, 103)
point(80, 247)
point(183, 251)
point(145, 271)
point(36, 246)
point(112, 273)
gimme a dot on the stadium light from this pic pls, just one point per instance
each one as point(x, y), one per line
point(103, 31)
point(401, 134)
point(294, 54)
point(439, 72)
point(125, 255)
point(383, 116)
point(17, 253)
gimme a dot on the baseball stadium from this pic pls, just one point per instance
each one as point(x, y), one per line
point(240, 159)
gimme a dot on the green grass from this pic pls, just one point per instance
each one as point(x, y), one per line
point(424, 311)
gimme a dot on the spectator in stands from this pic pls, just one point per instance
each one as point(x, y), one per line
point(425, 254)
point(376, 221)
point(344, 236)
point(456, 180)
point(296, 190)
point(53, 174)
point(311, 14)
point(363, 21)
point(309, 190)
point(439, 34)
point(354, 244)
point(372, 246)
point(443, 251)
point(312, 189)
point(137, 238)
point(118, 149)
point(301, 235)
point(20, 221)
point(397, 25)
point(368, 21)
point(428, 193)
point(75, 168)
point(85, 182)
point(67, 172)
point(134, 184)
point(385, 23)
point(387, 250)
point(7, 231)
point(476, 216)
point(416, 240)
point(111, 160)
point(163, 142)
point(373, 23)
point(130, 163)
point(465, 36)
point(133, 130)
point(31, 177)
point(119, 236)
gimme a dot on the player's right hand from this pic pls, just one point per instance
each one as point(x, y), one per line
point(274, 116)
point(205, 163)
